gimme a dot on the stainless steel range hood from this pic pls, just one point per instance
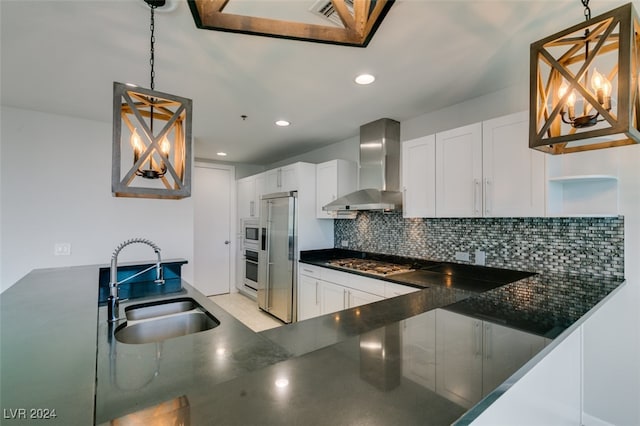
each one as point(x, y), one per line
point(379, 171)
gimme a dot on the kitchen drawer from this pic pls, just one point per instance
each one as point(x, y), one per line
point(393, 290)
point(336, 277)
point(311, 270)
point(369, 285)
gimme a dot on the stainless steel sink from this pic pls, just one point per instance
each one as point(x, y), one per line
point(158, 309)
point(153, 322)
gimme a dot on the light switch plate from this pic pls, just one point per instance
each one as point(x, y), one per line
point(62, 249)
point(344, 243)
point(480, 257)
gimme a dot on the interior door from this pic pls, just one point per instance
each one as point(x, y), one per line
point(212, 197)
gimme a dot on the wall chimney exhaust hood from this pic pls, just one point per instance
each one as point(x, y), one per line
point(379, 172)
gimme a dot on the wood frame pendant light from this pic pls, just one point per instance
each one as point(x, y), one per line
point(148, 163)
point(151, 138)
point(584, 92)
point(358, 30)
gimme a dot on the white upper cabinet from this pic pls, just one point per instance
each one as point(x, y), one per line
point(419, 177)
point(334, 179)
point(282, 179)
point(487, 170)
point(513, 174)
point(250, 189)
point(459, 172)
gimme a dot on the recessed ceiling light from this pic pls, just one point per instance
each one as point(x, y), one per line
point(365, 79)
point(282, 123)
point(282, 383)
point(221, 154)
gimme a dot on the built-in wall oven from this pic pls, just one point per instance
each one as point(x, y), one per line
point(250, 244)
point(251, 268)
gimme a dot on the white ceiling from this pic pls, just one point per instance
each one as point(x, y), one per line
point(62, 57)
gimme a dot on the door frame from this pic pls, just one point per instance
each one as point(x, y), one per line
point(233, 232)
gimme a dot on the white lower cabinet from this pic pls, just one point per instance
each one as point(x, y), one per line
point(308, 297)
point(331, 297)
point(473, 356)
point(323, 291)
point(358, 298)
point(335, 297)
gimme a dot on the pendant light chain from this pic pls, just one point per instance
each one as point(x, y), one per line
point(587, 10)
point(152, 27)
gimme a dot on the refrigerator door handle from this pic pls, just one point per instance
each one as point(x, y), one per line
point(265, 246)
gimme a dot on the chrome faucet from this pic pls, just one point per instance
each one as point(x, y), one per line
point(113, 301)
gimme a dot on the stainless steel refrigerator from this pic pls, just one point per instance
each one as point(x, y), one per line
point(277, 255)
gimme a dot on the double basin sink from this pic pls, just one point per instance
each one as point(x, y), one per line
point(165, 319)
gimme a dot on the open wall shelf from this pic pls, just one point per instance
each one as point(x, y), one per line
point(583, 185)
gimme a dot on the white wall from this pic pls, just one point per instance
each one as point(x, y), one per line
point(241, 169)
point(56, 187)
point(347, 149)
point(496, 104)
point(493, 105)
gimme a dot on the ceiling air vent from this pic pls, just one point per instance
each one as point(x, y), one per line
point(325, 9)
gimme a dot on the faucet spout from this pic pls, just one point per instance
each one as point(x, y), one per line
point(113, 301)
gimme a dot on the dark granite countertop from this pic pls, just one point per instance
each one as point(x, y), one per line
point(426, 273)
point(539, 303)
point(343, 368)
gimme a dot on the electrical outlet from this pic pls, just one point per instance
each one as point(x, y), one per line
point(62, 249)
point(462, 256)
point(344, 243)
point(480, 257)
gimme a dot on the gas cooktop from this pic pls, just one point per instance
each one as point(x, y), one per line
point(374, 267)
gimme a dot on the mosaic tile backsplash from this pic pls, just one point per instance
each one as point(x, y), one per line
point(589, 245)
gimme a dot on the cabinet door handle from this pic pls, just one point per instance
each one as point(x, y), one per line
point(279, 178)
point(252, 212)
point(477, 334)
point(316, 292)
point(487, 183)
point(476, 185)
point(487, 341)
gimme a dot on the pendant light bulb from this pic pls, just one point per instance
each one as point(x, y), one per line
point(562, 90)
point(136, 144)
point(597, 80)
point(165, 146)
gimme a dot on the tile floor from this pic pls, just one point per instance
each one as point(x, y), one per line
point(246, 311)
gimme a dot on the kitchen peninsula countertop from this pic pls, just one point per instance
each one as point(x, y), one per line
point(326, 369)
point(540, 303)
